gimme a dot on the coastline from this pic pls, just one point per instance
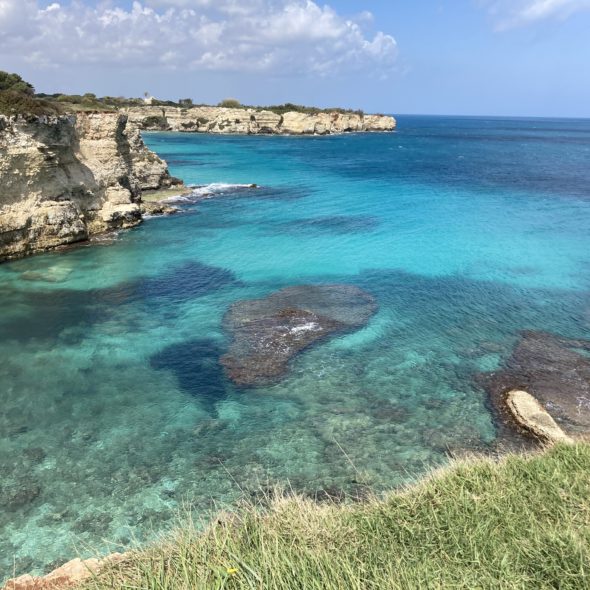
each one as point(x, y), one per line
point(502, 485)
point(165, 193)
point(90, 173)
point(67, 178)
point(247, 121)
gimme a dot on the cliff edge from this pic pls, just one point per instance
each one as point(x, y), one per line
point(65, 178)
point(247, 121)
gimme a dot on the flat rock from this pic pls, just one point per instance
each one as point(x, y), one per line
point(555, 370)
point(266, 333)
point(68, 575)
point(532, 416)
point(157, 208)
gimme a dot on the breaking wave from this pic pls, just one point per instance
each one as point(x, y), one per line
point(208, 191)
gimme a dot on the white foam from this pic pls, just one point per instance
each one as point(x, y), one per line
point(178, 199)
point(309, 327)
point(206, 191)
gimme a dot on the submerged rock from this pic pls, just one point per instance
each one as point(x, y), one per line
point(20, 494)
point(555, 370)
point(267, 333)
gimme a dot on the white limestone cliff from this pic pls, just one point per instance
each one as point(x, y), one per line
point(243, 121)
point(63, 179)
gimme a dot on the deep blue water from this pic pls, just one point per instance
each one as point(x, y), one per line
point(116, 412)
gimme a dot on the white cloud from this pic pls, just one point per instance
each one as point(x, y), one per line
point(267, 36)
point(514, 13)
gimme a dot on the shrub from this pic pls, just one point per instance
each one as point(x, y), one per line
point(230, 103)
point(288, 107)
point(22, 103)
point(14, 83)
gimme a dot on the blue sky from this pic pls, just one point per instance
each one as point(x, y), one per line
point(495, 57)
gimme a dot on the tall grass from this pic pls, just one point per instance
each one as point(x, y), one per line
point(523, 522)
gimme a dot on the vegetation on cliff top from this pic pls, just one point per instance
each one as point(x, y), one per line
point(522, 522)
point(18, 97)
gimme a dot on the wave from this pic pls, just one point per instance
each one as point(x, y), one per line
point(207, 191)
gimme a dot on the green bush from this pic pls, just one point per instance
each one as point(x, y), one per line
point(21, 103)
point(230, 103)
point(289, 107)
point(14, 83)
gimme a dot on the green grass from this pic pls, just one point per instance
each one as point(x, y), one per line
point(523, 522)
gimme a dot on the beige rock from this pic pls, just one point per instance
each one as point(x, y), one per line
point(378, 123)
point(65, 178)
point(252, 121)
point(532, 416)
point(157, 208)
point(66, 576)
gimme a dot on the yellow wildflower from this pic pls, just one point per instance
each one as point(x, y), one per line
point(232, 571)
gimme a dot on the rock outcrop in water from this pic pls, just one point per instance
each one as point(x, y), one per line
point(533, 417)
point(555, 370)
point(63, 179)
point(267, 333)
point(208, 119)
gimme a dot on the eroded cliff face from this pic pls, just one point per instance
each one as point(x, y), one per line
point(63, 179)
point(250, 121)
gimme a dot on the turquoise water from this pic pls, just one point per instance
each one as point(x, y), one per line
point(115, 412)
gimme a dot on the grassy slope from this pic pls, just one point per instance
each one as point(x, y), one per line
point(520, 523)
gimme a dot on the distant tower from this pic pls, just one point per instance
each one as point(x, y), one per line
point(148, 98)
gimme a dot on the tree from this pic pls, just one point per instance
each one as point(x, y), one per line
point(15, 83)
point(230, 103)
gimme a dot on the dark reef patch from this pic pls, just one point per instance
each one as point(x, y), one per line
point(49, 312)
point(180, 283)
point(186, 281)
point(554, 370)
point(267, 333)
point(196, 366)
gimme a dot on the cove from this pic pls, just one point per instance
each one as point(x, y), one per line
point(115, 412)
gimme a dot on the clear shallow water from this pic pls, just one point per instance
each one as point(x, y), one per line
point(115, 412)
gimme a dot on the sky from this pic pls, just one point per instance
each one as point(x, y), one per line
point(462, 57)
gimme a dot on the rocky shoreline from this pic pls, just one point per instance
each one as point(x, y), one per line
point(244, 121)
point(67, 178)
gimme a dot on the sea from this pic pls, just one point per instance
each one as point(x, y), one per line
point(116, 417)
